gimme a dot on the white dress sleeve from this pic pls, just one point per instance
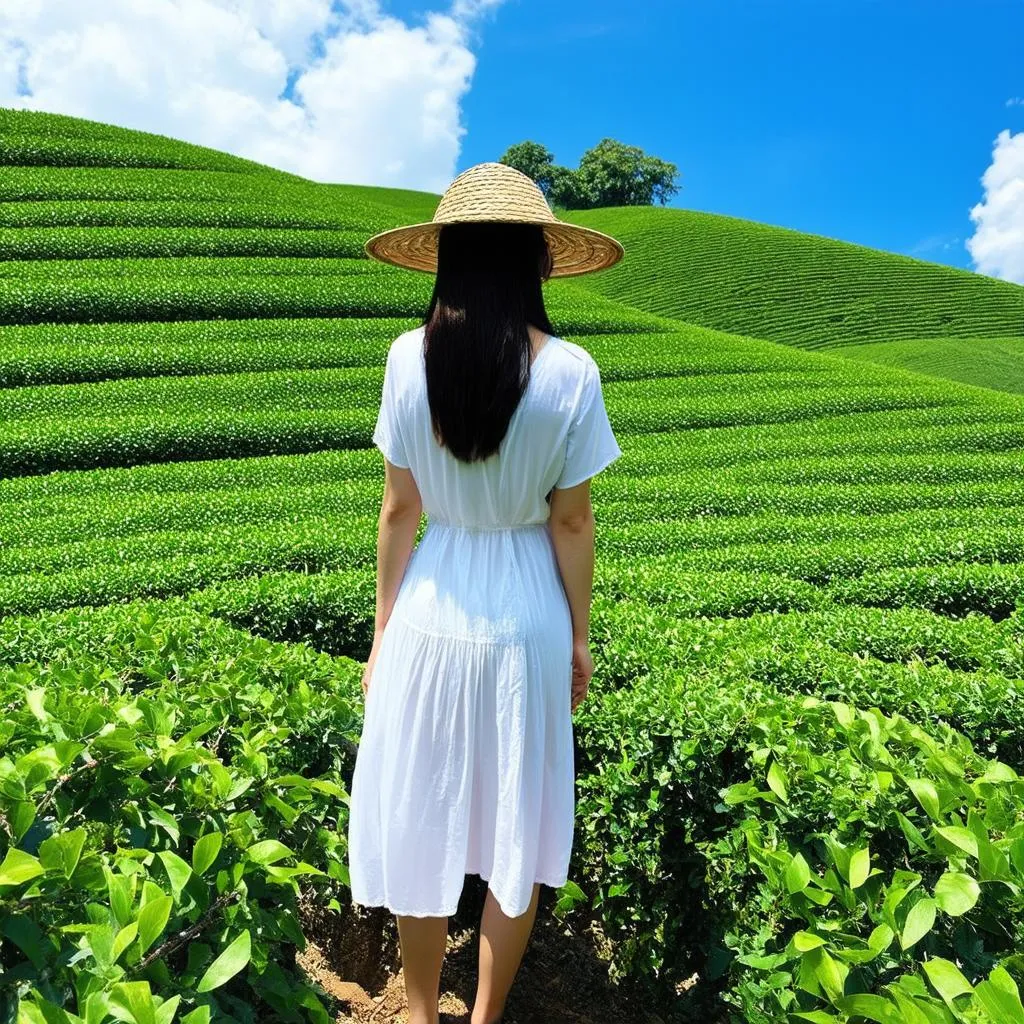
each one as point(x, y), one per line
point(387, 433)
point(591, 445)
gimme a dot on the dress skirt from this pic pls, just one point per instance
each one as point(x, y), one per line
point(465, 763)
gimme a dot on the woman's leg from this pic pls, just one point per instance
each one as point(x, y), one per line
point(502, 944)
point(422, 941)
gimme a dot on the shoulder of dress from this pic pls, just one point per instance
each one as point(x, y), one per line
point(408, 339)
point(578, 352)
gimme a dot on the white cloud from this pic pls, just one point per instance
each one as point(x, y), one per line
point(997, 245)
point(933, 243)
point(466, 10)
point(373, 100)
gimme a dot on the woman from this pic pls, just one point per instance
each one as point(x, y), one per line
point(494, 427)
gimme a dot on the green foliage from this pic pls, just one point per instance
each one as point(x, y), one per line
point(533, 160)
point(33, 138)
point(153, 295)
point(913, 865)
point(621, 175)
point(791, 287)
point(809, 574)
point(151, 242)
point(609, 174)
point(178, 213)
point(92, 195)
point(713, 814)
point(166, 786)
point(988, 362)
point(955, 589)
point(569, 190)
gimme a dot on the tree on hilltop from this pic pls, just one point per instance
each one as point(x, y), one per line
point(610, 174)
point(534, 160)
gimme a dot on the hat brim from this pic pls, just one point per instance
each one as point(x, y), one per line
point(575, 250)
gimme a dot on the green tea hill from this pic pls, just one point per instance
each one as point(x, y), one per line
point(988, 362)
point(797, 767)
point(814, 292)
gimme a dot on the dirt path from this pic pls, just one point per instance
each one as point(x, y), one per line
point(562, 980)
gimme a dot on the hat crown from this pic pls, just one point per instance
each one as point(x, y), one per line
point(493, 192)
point(496, 192)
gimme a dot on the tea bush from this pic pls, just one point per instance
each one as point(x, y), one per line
point(885, 900)
point(790, 286)
point(809, 575)
point(699, 859)
point(163, 794)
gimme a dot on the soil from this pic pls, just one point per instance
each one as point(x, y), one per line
point(354, 957)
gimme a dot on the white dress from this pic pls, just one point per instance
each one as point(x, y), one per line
point(465, 764)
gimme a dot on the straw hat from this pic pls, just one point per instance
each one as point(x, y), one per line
point(497, 192)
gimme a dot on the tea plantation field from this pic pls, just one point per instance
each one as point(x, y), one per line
point(988, 362)
point(809, 291)
point(800, 770)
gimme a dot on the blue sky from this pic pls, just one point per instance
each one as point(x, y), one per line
point(871, 121)
point(887, 123)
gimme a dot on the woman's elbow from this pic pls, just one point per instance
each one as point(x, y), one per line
point(398, 507)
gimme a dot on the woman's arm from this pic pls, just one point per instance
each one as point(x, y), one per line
point(572, 534)
point(400, 511)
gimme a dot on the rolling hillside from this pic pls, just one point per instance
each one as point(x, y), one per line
point(795, 288)
point(810, 572)
point(988, 362)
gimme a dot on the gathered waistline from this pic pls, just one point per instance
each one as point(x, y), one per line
point(488, 528)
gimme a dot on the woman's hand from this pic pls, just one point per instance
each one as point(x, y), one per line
point(368, 671)
point(582, 670)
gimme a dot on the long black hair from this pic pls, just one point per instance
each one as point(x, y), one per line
point(476, 345)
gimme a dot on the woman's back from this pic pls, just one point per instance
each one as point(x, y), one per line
point(480, 657)
point(558, 436)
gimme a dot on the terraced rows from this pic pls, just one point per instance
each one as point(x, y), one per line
point(987, 362)
point(192, 354)
point(787, 286)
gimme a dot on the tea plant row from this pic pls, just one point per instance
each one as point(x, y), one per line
point(792, 287)
point(751, 782)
